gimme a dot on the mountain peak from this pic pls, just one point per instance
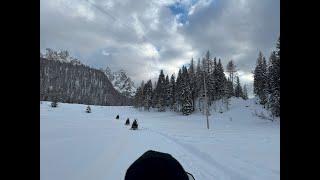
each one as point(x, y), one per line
point(121, 82)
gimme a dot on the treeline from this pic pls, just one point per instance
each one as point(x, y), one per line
point(65, 79)
point(181, 93)
point(267, 81)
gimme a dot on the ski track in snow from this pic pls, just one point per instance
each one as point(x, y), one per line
point(81, 146)
point(205, 157)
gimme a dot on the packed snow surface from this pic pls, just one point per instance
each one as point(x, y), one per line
point(75, 145)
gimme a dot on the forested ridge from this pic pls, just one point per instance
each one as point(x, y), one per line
point(69, 81)
point(187, 91)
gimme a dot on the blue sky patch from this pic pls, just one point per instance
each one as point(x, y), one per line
point(181, 10)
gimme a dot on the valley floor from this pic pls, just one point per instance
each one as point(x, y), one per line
point(75, 145)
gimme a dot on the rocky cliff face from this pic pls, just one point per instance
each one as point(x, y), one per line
point(121, 82)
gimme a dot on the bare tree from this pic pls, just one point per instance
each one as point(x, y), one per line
point(231, 69)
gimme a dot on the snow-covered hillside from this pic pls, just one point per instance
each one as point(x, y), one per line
point(121, 82)
point(77, 145)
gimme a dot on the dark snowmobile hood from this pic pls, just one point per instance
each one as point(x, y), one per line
point(156, 165)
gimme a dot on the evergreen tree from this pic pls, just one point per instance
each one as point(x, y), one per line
point(192, 77)
point(154, 98)
point(167, 91)
point(138, 97)
point(274, 82)
point(186, 99)
point(207, 72)
point(141, 98)
point(258, 75)
point(211, 65)
point(210, 81)
point(229, 89)
point(238, 88)
point(278, 48)
point(264, 84)
point(220, 80)
point(172, 87)
point(227, 94)
point(263, 98)
point(199, 79)
point(215, 75)
point(245, 93)
point(160, 92)
point(206, 63)
point(179, 91)
point(260, 82)
point(147, 95)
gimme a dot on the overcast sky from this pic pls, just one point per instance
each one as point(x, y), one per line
point(144, 36)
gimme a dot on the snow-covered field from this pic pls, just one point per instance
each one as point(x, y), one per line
point(81, 146)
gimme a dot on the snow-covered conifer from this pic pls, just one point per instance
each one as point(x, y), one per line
point(147, 95)
point(245, 92)
point(186, 99)
point(172, 86)
point(274, 81)
point(160, 91)
point(260, 82)
point(238, 89)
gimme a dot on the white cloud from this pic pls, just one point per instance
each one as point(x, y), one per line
point(105, 53)
point(144, 36)
point(245, 77)
point(84, 11)
point(198, 5)
point(148, 50)
point(109, 4)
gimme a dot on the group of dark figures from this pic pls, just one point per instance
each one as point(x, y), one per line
point(134, 125)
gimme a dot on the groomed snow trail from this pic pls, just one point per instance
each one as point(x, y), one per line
point(82, 146)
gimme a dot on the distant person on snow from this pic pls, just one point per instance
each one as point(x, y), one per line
point(117, 116)
point(134, 125)
point(54, 104)
point(127, 122)
point(157, 166)
point(88, 110)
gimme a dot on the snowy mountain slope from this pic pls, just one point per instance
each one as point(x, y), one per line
point(121, 82)
point(77, 84)
point(77, 145)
